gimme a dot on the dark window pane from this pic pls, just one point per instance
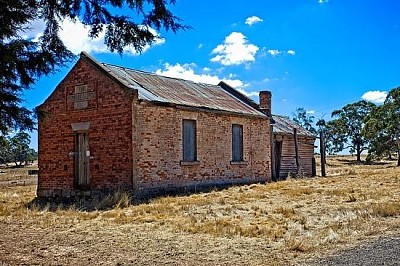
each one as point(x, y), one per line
point(237, 142)
point(189, 140)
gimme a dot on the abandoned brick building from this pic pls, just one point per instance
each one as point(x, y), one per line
point(107, 127)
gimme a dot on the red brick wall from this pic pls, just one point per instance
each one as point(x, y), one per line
point(159, 147)
point(110, 133)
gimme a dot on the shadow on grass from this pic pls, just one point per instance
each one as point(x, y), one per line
point(119, 199)
point(116, 200)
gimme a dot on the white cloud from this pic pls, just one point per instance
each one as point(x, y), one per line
point(231, 75)
point(291, 52)
point(248, 94)
point(276, 52)
point(375, 96)
point(273, 52)
point(187, 72)
point(263, 52)
point(235, 50)
point(237, 84)
point(323, 1)
point(75, 37)
point(33, 30)
point(253, 20)
point(200, 45)
point(310, 112)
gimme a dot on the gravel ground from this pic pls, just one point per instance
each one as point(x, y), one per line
point(384, 251)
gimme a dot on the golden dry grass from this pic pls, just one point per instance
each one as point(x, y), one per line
point(287, 222)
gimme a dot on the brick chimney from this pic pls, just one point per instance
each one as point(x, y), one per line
point(265, 102)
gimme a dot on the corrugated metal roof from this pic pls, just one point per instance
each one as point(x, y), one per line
point(163, 89)
point(284, 125)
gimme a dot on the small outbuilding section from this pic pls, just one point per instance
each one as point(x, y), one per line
point(108, 127)
point(292, 149)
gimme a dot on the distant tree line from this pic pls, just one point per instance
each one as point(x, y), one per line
point(16, 149)
point(360, 126)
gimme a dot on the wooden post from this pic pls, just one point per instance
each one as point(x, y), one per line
point(296, 147)
point(322, 152)
point(313, 167)
point(273, 172)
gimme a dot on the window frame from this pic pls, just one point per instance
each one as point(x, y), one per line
point(189, 140)
point(237, 143)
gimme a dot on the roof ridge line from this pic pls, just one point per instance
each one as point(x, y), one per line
point(159, 75)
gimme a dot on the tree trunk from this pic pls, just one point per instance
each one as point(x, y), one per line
point(358, 157)
point(398, 157)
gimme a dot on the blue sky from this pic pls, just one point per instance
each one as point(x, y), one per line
point(315, 54)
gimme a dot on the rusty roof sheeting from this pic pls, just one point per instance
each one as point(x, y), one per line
point(284, 125)
point(159, 88)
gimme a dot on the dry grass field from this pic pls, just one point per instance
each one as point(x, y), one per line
point(290, 222)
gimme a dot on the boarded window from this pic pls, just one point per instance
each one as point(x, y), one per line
point(237, 143)
point(189, 140)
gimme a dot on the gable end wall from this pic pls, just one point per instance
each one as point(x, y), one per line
point(108, 111)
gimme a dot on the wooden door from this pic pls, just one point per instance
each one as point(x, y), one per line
point(278, 155)
point(82, 155)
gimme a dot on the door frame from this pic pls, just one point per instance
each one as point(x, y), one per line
point(82, 160)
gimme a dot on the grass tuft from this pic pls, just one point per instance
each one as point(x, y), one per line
point(386, 209)
point(117, 200)
point(286, 211)
point(299, 244)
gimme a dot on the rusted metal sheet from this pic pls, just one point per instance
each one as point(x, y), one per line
point(284, 125)
point(157, 88)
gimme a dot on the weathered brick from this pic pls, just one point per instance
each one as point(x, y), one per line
point(137, 144)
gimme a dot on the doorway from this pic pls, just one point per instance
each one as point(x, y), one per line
point(277, 156)
point(82, 155)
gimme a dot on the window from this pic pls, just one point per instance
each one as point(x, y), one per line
point(237, 143)
point(189, 140)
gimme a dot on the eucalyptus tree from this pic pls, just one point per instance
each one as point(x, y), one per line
point(304, 119)
point(382, 126)
point(346, 128)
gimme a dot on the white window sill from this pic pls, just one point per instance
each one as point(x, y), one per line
point(239, 163)
point(189, 163)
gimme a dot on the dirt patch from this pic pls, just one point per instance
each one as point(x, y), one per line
point(384, 251)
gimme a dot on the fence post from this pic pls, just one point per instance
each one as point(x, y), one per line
point(322, 152)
